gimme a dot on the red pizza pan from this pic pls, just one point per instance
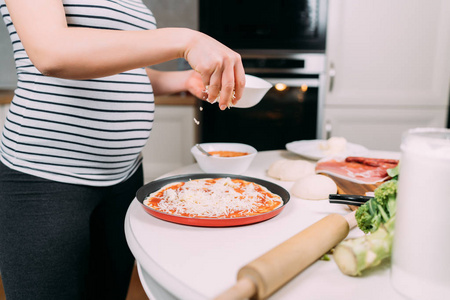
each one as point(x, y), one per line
point(153, 186)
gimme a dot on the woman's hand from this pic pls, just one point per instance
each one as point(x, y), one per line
point(220, 68)
point(165, 83)
point(194, 85)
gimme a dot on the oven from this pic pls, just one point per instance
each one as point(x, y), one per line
point(257, 24)
point(284, 43)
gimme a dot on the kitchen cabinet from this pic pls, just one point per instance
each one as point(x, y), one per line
point(3, 111)
point(380, 128)
point(388, 66)
point(173, 134)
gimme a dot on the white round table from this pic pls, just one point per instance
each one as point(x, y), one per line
point(186, 262)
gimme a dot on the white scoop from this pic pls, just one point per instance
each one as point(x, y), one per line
point(254, 91)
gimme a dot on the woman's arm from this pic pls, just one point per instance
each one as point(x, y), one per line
point(81, 53)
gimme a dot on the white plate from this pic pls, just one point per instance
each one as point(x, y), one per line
point(311, 149)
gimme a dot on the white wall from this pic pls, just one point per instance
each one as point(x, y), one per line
point(174, 13)
point(3, 111)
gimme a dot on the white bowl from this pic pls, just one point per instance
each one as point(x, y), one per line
point(254, 91)
point(230, 165)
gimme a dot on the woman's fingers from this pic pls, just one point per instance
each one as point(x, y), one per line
point(227, 84)
point(214, 86)
point(233, 83)
point(222, 88)
point(239, 81)
point(221, 70)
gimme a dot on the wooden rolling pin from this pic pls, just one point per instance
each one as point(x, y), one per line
point(266, 274)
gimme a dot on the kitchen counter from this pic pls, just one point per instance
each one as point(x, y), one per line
point(185, 262)
point(176, 99)
point(6, 97)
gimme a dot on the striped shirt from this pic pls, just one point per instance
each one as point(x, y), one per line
point(80, 131)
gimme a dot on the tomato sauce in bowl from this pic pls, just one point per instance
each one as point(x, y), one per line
point(225, 158)
point(228, 153)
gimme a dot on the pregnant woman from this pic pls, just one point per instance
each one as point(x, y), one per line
point(70, 149)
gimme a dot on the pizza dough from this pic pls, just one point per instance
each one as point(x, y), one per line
point(291, 170)
point(314, 187)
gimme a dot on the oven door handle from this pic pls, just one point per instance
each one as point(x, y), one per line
point(332, 75)
point(295, 82)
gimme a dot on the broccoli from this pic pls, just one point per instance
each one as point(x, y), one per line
point(377, 219)
point(356, 255)
point(379, 209)
point(393, 173)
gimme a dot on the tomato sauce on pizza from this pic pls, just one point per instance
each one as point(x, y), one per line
point(214, 198)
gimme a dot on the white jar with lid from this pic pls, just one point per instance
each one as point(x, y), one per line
point(421, 249)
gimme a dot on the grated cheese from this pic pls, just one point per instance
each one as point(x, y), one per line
point(214, 198)
point(196, 121)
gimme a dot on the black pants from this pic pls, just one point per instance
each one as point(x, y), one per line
point(64, 241)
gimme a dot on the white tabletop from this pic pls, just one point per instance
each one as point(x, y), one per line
point(186, 262)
